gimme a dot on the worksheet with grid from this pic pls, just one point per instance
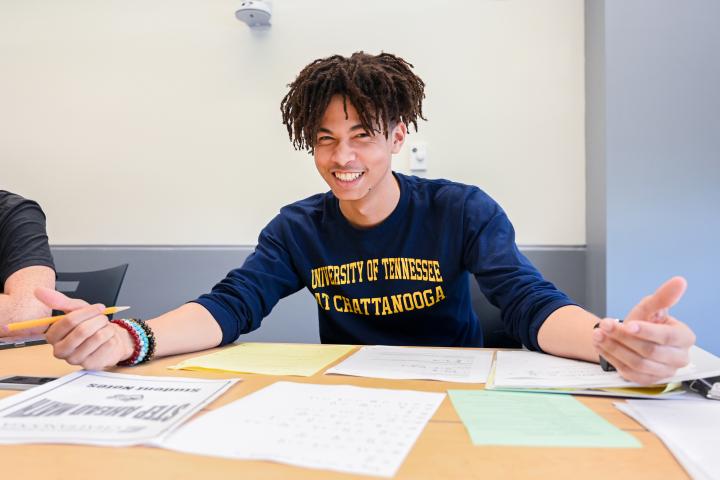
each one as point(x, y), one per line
point(336, 427)
point(444, 364)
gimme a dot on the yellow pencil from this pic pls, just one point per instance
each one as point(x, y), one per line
point(11, 327)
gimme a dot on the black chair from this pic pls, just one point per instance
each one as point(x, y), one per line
point(99, 286)
point(494, 334)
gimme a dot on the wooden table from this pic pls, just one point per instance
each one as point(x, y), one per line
point(443, 450)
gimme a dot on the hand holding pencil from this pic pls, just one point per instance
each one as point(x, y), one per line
point(84, 335)
point(39, 322)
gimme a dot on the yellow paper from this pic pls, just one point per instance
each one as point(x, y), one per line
point(298, 359)
point(655, 390)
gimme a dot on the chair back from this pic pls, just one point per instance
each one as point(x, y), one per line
point(99, 286)
point(494, 335)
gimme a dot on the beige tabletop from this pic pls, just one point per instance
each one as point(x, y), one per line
point(443, 450)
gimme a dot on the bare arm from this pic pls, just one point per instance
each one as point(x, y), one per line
point(567, 332)
point(185, 329)
point(648, 347)
point(18, 301)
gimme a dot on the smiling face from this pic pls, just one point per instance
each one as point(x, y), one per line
point(355, 163)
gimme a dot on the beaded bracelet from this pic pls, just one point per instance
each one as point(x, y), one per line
point(134, 332)
point(143, 338)
point(149, 336)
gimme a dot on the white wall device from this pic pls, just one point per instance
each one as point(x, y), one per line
point(256, 13)
point(418, 157)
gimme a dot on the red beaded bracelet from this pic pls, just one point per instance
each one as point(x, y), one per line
point(137, 349)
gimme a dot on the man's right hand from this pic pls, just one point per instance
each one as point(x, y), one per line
point(85, 336)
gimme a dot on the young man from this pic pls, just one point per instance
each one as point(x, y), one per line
point(386, 256)
point(25, 260)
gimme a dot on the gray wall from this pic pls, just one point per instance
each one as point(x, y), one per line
point(656, 106)
point(162, 278)
point(595, 171)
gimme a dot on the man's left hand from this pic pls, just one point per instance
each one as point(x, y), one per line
point(649, 345)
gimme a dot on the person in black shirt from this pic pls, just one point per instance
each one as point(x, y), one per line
point(25, 260)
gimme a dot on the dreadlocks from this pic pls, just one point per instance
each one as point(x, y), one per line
point(382, 88)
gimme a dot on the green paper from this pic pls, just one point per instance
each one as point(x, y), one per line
point(535, 420)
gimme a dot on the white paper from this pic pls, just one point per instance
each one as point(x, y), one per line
point(102, 408)
point(336, 427)
point(522, 369)
point(690, 430)
point(444, 364)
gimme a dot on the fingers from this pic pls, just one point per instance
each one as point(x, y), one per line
point(75, 346)
point(88, 339)
point(95, 352)
point(644, 352)
point(671, 333)
point(93, 345)
point(654, 307)
point(62, 328)
point(643, 371)
point(106, 355)
point(632, 350)
point(58, 301)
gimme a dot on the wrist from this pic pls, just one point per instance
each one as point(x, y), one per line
point(127, 343)
point(142, 338)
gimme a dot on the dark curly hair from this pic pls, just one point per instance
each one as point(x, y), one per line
point(382, 88)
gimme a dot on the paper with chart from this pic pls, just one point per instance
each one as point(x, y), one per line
point(523, 369)
point(102, 408)
point(689, 428)
point(303, 360)
point(535, 420)
point(344, 428)
point(444, 364)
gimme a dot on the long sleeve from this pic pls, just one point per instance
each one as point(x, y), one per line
point(505, 276)
point(248, 294)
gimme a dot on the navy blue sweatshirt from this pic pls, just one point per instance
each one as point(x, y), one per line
point(402, 282)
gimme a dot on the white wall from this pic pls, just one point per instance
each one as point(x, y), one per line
point(157, 122)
